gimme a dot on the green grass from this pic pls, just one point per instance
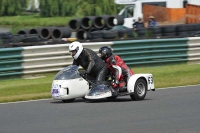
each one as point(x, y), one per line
point(164, 76)
point(173, 75)
point(32, 21)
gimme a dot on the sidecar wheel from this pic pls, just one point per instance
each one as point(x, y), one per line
point(68, 101)
point(140, 90)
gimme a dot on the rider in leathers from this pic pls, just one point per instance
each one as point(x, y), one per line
point(118, 68)
point(89, 60)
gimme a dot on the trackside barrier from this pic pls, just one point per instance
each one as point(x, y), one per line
point(152, 51)
point(52, 58)
point(38, 59)
point(193, 50)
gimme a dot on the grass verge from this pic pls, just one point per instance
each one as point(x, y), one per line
point(164, 76)
point(32, 21)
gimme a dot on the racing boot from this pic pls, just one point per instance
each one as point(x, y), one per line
point(123, 89)
point(122, 86)
point(115, 91)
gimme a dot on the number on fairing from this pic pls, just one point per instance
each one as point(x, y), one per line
point(150, 80)
point(55, 91)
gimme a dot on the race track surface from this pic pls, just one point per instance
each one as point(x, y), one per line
point(175, 110)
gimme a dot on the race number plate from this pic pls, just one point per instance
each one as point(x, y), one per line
point(55, 90)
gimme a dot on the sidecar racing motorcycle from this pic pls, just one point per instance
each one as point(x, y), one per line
point(68, 85)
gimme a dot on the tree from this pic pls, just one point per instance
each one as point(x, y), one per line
point(10, 7)
point(50, 8)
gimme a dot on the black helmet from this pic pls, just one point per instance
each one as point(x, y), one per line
point(105, 52)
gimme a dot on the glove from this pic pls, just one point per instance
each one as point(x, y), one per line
point(83, 74)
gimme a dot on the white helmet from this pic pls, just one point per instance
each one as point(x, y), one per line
point(76, 48)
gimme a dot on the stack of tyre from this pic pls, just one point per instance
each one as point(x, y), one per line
point(5, 37)
point(149, 32)
point(8, 37)
point(182, 30)
point(45, 33)
point(169, 31)
point(187, 30)
point(157, 31)
point(96, 27)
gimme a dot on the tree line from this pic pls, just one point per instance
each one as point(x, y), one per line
point(12, 7)
point(53, 8)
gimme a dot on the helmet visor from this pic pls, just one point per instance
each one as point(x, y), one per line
point(73, 52)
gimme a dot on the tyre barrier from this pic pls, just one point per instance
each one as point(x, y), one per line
point(25, 38)
point(23, 31)
point(121, 33)
point(114, 20)
point(129, 32)
point(141, 31)
point(45, 33)
point(75, 24)
point(17, 38)
point(87, 22)
point(90, 31)
point(155, 30)
point(82, 34)
point(157, 35)
point(100, 21)
point(5, 35)
point(169, 34)
point(169, 29)
point(182, 28)
point(106, 28)
point(119, 19)
point(197, 27)
point(33, 38)
point(35, 31)
point(110, 34)
point(96, 35)
point(183, 34)
point(61, 32)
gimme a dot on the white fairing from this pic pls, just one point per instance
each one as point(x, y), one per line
point(69, 89)
point(105, 95)
point(98, 92)
point(135, 77)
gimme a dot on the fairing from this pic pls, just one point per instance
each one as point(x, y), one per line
point(68, 84)
point(70, 72)
point(98, 92)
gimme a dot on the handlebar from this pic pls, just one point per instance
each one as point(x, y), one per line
point(83, 76)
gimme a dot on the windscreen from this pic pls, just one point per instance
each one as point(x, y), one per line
point(70, 72)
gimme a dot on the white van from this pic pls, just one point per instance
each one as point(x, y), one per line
point(133, 8)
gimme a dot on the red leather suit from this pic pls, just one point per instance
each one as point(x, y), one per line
point(119, 69)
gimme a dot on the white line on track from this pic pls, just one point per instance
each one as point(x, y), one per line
point(51, 98)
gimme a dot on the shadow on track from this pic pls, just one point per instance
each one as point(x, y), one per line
point(104, 100)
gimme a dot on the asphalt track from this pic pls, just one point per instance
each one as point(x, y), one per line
point(175, 110)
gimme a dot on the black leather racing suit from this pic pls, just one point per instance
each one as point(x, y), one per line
point(92, 64)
